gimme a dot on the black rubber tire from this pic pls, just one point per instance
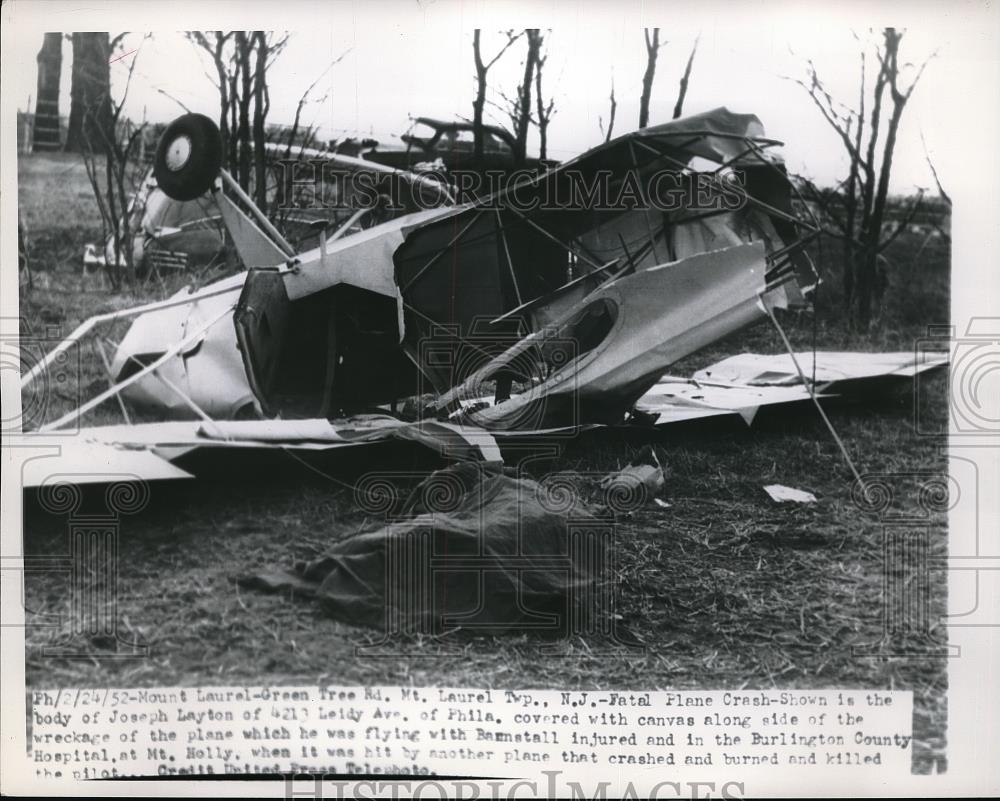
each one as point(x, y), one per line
point(196, 175)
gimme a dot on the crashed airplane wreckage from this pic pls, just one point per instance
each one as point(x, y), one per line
point(556, 302)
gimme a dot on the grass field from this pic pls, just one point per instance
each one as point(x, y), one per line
point(724, 589)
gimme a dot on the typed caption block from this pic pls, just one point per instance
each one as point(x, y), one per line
point(107, 733)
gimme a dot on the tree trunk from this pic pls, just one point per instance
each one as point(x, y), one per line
point(523, 120)
point(218, 57)
point(849, 270)
point(543, 117)
point(611, 112)
point(245, 134)
point(259, 116)
point(542, 111)
point(90, 114)
point(682, 90)
point(45, 131)
point(652, 50)
point(480, 101)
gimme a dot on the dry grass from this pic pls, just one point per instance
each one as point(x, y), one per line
point(724, 589)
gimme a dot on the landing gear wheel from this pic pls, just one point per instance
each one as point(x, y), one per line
point(188, 157)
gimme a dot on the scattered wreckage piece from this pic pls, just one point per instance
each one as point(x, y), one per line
point(782, 494)
point(639, 482)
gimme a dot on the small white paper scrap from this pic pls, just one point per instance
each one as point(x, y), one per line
point(780, 494)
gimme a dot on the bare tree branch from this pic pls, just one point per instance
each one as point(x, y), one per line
point(858, 207)
point(611, 114)
point(683, 88)
point(652, 50)
point(479, 103)
point(544, 111)
point(937, 182)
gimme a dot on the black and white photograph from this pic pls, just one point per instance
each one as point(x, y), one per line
point(393, 389)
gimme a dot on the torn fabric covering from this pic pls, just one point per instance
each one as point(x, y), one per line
point(147, 449)
point(449, 440)
point(492, 557)
point(363, 259)
point(529, 241)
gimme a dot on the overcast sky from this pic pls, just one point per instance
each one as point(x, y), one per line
point(415, 58)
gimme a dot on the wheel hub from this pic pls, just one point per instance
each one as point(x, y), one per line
point(178, 153)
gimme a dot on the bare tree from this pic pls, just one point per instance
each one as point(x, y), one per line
point(301, 136)
point(520, 112)
point(611, 114)
point(543, 110)
point(482, 70)
point(934, 173)
point(115, 181)
point(860, 215)
point(244, 79)
point(683, 88)
point(215, 44)
point(241, 60)
point(45, 131)
point(90, 91)
point(652, 51)
point(261, 107)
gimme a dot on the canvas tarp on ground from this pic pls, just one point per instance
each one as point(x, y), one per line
point(474, 548)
